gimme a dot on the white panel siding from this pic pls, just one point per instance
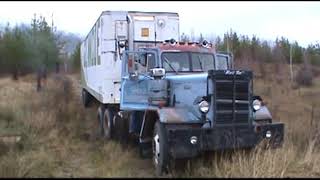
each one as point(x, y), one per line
point(104, 77)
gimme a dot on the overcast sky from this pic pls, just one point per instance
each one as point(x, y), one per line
point(298, 21)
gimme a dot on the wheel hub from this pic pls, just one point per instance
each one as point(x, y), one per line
point(156, 148)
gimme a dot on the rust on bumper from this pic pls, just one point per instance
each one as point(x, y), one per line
point(177, 115)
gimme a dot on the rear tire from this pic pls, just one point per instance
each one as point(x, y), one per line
point(107, 125)
point(86, 98)
point(100, 114)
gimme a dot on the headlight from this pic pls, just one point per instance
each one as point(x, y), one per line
point(268, 134)
point(256, 104)
point(204, 106)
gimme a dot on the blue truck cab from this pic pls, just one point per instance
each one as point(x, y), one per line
point(185, 98)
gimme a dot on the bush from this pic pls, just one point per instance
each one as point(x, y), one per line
point(304, 77)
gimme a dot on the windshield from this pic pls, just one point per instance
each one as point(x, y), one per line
point(222, 62)
point(187, 61)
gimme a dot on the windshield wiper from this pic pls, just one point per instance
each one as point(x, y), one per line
point(200, 63)
point(167, 61)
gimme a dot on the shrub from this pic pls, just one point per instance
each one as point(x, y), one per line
point(304, 77)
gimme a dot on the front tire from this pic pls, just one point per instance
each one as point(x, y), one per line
point(160, 149)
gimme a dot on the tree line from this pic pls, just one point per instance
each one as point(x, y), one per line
point(30, 48)
point(247, 50)
point(36, 48)
point(256, 49)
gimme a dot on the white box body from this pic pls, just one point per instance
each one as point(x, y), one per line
point(100, 52)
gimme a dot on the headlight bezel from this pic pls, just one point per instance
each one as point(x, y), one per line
point(256, 104)
point(204, 106)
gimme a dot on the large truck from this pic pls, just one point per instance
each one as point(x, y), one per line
point(178, 99)
point(112, 33)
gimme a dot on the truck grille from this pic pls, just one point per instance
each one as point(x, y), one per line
point(231, 97)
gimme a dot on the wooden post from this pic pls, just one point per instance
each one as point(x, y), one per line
point(228, 42)
point(312, 107)
point(38, 79)
point(291, 72)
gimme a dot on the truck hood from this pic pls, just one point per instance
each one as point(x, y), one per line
point(184, 89)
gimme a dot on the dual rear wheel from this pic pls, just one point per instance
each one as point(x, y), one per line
point(111, 124)
point(86, 98)
point(106, 124)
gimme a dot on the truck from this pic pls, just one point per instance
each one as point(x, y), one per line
point(178, 99)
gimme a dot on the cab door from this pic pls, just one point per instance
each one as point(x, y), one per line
point(134, 81)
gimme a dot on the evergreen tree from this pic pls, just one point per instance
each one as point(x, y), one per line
point(184, 38)
point(76, 57)
point(14, 50)
point(201, 38)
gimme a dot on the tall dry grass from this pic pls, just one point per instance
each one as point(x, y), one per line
point(59, 136)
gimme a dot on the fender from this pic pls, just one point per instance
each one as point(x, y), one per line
point(263, 113)
point(167, 115)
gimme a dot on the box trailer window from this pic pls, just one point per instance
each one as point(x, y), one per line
point(98, 36)
point(89, 50)
point(94, 45)
point(97, 50)
point(99, 60)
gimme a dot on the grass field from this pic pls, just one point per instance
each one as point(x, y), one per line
point(58, 136)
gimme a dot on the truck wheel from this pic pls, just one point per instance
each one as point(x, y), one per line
point(100, 114)
point(86, 98)
point(160, 149)
point(107, 124)
point(122, 126)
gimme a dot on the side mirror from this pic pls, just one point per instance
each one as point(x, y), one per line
point(132, 69)
point(122, 46)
